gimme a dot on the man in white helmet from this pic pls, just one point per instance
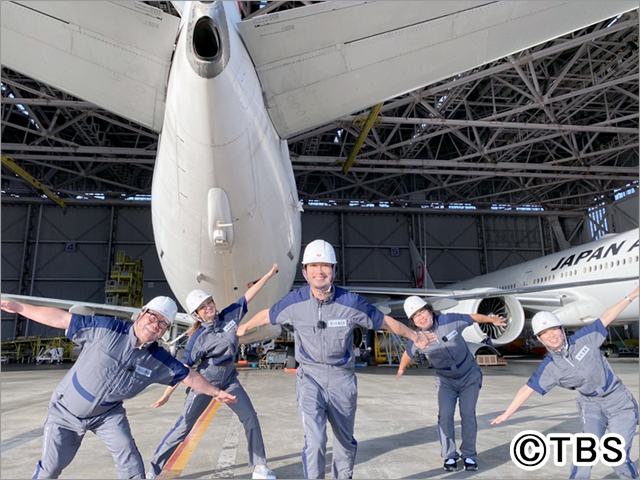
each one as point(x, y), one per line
point(458, 377)
point(118, 361)
point(213, 343)
point(324, 317)
point(577, 364)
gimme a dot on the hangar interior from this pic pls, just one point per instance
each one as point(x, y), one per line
point(507, 162)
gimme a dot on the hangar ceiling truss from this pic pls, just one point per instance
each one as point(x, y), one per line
point(553, 127)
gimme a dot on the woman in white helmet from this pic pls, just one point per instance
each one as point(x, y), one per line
point(213, 343)
point(324, 317)
point(577, 364)
point(458, 377)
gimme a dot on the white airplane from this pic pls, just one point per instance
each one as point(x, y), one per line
point(577, 284)
point(225, 94)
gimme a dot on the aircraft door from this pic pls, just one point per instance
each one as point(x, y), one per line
point(526, 279)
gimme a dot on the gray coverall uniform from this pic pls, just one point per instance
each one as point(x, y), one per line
point(214, 344)
point(458, 378)
point(326, 386)
point(109, 370)
point(603, 400)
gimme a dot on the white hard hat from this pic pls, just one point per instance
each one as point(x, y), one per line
point(543, 320)
point(195, 299)
point(413, 304)
point(164, 306)
point(319, 251)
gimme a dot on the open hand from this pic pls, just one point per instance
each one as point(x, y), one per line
point(161, 401)
point(12, 307)
point(224, 397)
point(272, 272)
point(423, 339)
point(500, 419)
point(498, 320)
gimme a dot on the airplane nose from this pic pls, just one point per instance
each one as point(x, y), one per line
point(208, 46)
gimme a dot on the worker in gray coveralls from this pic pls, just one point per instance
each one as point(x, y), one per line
point(577, 364)
point(118, 361)
point(213, 343)
point(323, 318)
point(458, 377)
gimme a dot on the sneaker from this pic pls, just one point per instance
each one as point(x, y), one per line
point(451, 465)
point(263, 471)
point(470, 465)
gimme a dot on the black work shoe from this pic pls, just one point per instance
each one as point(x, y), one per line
point(470, 465)
point(451, 465)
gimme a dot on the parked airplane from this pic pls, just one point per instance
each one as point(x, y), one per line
point(576, 284)
point(225, 94)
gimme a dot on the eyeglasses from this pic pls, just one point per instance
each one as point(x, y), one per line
point(321, 324)
point(420, 313)
point(153, 318)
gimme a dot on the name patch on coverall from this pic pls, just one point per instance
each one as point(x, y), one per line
point(452, 335)
point(341, 322)
point(229, 326)
point(580, 355)
point(143, 371)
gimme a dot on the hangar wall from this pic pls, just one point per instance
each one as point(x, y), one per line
point(50, 253)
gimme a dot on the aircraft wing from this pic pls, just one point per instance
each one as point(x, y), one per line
point(81, 308)
point(87, 308)
point(114, 54)
point(533, 294)
point(320, 62)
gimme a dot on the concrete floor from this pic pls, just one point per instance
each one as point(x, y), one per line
point(395, 425)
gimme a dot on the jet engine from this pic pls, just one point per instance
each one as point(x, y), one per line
point(502, 305)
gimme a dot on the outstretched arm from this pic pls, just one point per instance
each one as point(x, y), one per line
point(199, 383)
point(404, 363)
point(421, 339)
point(612, 313)
point(50, 316)
point(522, 396)
point(256, 287)
point(259, 319)
point(165, 396)
point(497, 320)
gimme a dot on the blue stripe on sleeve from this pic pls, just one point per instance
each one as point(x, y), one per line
point(235, 311)
point(454, 317)
point(534, 381)
point(179, 371)
point(595, 327)
point(301, 295)
point(80, 322)
point(241, 303)
point(352, 300)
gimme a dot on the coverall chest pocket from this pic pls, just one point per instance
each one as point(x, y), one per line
point(134, 379)
point(103, 373)
point(338, 339)
point(571, 380)
point(438, 356)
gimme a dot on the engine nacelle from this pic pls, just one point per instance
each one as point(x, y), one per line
point(503, 305)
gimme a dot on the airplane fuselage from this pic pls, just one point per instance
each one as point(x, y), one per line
point(613, 256)
point(224, 200)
